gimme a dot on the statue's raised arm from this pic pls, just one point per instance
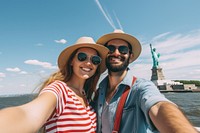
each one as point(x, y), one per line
point(155, 57)
point(151, 47)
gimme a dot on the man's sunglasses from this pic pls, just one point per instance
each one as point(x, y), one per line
point(96, 60)
point(121, 49)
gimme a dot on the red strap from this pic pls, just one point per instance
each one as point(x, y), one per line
point(120, 106)
point(133, 81)
point(120, 109)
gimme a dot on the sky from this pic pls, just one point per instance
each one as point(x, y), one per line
point(34, 32)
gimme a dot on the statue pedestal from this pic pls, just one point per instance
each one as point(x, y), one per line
point(159, 80)
point(157, 74)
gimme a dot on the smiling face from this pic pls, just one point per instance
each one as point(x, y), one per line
point(84, 69)
point(117, 61)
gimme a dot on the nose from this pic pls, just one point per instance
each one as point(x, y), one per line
point(116, 52)
point(88, 61)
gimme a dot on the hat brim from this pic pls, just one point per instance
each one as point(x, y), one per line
point(136, 46)
point(66, 53)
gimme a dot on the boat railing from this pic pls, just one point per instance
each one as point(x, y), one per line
point(198, 129)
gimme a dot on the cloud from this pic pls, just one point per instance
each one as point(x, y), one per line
point(42, 72)
point(173, 43)
point(2, 75)
point(39, 44)
point(39, 63)
point(62, 41)
point(22, 85)
point(23, 72)
point(16, 69)
point(160, 36)
point(179, 56)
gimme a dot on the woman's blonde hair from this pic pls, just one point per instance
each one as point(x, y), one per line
point(65, 75)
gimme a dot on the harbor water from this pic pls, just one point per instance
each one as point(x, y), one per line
point(188, 102)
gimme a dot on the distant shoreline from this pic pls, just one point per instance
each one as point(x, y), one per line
point(180, 91)
point(18, 95)
point(162, 91)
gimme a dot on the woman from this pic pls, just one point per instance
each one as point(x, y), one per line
point(62, 105)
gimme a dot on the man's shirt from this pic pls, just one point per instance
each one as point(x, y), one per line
point(135, 119)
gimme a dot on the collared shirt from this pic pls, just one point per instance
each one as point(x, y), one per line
point(135, 119)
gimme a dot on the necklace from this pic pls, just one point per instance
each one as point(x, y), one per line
point(80, 95)
point(79, 92)
point(83, 92)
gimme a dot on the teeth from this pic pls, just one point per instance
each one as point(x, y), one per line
point(115, 59)
point(86, 69)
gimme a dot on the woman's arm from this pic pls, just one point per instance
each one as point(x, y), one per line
point(28, 118)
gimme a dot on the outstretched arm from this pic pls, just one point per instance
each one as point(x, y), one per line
point(169, 119)
point(29, 117)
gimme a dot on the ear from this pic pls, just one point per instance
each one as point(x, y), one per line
point(131, 56)
point(72, 62)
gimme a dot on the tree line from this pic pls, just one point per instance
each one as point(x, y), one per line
point(196, 82)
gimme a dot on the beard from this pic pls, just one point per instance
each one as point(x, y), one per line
point(117, 68)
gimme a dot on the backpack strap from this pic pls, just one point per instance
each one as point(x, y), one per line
point(119, 110)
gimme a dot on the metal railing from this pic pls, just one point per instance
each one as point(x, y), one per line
point(198, 129)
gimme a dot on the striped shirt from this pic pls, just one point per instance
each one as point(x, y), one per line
point(70, 116)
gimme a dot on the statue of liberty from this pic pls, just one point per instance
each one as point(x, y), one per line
point(155, 57)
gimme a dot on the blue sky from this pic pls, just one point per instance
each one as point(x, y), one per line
point(33, 33)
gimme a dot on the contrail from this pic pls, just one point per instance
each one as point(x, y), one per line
point(105, 15)
point(118, 20)
point(109, 17)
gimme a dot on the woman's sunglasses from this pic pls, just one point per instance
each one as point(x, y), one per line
point(121, 49)
point(96, 60)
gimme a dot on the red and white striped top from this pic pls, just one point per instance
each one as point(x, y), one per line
point(70, 116)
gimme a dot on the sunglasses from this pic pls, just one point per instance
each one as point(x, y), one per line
point(96, 60)
point(121, 49)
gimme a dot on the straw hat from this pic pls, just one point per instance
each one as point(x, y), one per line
point(80, 43)
point(119, 34)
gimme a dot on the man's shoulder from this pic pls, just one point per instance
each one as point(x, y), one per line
point(142, 83)
point(143, 80)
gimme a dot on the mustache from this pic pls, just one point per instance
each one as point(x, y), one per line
point(118, 57)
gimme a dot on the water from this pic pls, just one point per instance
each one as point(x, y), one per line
point(7, 101)
point(188, 102)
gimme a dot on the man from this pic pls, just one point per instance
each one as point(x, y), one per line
point(146, 110)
